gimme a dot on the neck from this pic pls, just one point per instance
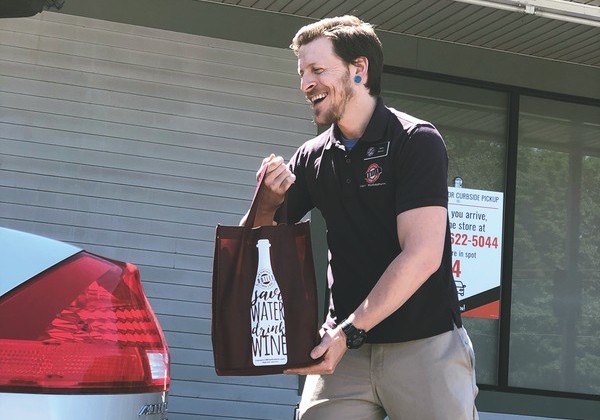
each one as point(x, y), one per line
point(357, 116)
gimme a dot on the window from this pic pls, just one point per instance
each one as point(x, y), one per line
point(555, 308)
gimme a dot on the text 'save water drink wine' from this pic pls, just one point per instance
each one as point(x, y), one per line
point(269, 346)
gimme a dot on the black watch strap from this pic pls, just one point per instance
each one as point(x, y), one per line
point(354, 336)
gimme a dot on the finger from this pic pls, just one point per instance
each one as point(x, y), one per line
point(275, 163)
point(319, 351)
point(284, 180)
point(289, 180)
point(309, 370)
point(320, 369)
point(276, 175)
point(264, 162)
point(268, 158)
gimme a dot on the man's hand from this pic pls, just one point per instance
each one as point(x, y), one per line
point(278, 180)
point(332, 348)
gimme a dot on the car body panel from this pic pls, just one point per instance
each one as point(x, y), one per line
point(150, 406)
point(24, 255)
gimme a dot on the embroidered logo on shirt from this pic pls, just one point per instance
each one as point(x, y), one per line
point(373, 173)
point(377, 151)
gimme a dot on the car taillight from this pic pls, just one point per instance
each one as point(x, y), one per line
point(83, 326)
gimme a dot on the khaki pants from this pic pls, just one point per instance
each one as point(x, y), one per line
point(429, 379)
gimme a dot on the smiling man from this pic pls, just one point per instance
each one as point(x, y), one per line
point(393, 342)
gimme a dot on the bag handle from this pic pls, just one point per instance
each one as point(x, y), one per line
point(258, 192)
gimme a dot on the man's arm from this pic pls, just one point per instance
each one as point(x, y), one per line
point(277, 180)
point(421, 233)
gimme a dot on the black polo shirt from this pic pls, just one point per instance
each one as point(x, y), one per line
point(400, 163)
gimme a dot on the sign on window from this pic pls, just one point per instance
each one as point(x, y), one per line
point(476, 218)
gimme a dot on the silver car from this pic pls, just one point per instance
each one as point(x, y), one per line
point(78, 338)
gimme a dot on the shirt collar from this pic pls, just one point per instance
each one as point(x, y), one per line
point(374, 132)
point(377, 126)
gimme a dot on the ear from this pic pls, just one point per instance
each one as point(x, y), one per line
point(361, 68)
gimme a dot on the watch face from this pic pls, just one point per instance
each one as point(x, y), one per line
point(355, 338)
point(356, 341)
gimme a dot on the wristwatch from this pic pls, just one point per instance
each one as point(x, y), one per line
point(354, 337)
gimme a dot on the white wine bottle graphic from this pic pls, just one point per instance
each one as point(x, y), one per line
point(269, 345)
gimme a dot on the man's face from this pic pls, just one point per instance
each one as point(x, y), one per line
point(325, 80)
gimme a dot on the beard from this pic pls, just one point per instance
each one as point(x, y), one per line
point(336, 110)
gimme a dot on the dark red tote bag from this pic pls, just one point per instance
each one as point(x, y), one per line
point(264, 297)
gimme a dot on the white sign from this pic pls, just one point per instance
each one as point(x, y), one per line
point(476, 218)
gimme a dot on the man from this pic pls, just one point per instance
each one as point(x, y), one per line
point(393, 342)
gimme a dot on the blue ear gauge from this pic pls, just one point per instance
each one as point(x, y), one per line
point(357, 79)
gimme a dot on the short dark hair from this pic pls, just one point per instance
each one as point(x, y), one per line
point(351, 38)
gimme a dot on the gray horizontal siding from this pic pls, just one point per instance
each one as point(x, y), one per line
point(134, 143)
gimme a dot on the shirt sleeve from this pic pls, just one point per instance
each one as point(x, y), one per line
point(298, 199)
point(422, 171)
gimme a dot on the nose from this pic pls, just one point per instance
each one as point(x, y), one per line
point(306, 83)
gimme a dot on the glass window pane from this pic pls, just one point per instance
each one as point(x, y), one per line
point(555, 315)
point(473, 122)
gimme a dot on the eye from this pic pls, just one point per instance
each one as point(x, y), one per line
point(318, 70)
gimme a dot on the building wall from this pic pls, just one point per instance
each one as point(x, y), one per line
point(134, 143)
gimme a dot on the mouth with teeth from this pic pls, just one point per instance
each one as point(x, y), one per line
point(317, 99)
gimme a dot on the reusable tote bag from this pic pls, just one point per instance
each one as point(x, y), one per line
point(264, 298)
